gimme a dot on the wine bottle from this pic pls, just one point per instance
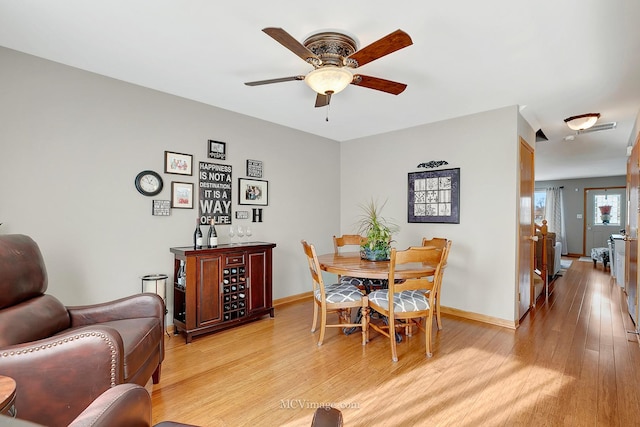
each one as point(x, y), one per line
point(182, 276)
point(197, 236)
point(213, 236)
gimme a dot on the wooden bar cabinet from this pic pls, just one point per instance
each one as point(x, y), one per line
point(222, 287)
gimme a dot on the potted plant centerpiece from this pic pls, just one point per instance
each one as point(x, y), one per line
point(378, 232)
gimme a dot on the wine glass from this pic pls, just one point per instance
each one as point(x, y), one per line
point(240, 231)
point(248, 232)
point(231, 233)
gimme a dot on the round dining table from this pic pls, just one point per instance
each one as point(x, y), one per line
point(350, 264)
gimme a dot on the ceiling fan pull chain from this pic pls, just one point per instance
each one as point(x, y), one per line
point(327, 118)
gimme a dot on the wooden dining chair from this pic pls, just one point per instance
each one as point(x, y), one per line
point(439, 243)
point(339, 298)
point(410, 301)
point(365, 284)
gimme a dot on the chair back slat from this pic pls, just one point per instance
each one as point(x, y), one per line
point(348, 240)
point(314, 266)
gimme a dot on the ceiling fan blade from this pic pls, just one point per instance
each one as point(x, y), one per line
point(280, 80)
point(323, 100)
point(386, 45)
point(286, 40)
point(377, 83)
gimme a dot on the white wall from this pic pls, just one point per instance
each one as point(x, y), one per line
point(481, 276)
point(71, 143)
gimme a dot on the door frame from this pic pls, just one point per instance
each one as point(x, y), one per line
point(525, 291)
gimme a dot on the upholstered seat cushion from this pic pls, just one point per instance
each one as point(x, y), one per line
point(413, 300)
point(363, 283)
point(139, 336)
point(340, 293)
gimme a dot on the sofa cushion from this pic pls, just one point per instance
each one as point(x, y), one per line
point(140, 337)
point(32, 320)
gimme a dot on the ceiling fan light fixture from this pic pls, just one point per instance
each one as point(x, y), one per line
point(582, 122)
point(328, 79)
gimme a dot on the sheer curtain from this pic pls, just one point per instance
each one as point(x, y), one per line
point(554, 214)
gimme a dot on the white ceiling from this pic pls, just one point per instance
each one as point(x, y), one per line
point(553, 58)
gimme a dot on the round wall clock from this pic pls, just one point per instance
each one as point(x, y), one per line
point(148, 183)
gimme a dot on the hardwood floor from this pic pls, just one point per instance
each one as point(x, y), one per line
point(570, 363)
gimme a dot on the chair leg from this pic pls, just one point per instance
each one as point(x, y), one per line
point(427, 330)
point(323, 324)
point(392, 338)
point(365, 324)
point(315, 316)
point(438, 318)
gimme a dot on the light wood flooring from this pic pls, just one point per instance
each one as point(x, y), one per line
point(571, 362)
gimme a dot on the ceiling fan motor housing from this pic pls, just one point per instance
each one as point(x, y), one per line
point(332, 48)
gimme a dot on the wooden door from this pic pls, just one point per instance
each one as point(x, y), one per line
point(526, 230)
point(596, 234)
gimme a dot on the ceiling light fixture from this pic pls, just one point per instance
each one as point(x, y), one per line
point(328, 79)
point(582, 122)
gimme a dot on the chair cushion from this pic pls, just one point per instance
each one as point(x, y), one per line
point(140, 338)
point(340, 293)
point(363, 283)
point(405, 301)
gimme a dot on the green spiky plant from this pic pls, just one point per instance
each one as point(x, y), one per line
point(377, 229)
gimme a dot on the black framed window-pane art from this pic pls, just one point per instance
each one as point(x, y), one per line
point(434, 196)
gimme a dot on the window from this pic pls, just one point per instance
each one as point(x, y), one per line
point(613, 202)
point(540, 198)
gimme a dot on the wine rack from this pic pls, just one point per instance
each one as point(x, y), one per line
point(234, 292)
point(220, 288)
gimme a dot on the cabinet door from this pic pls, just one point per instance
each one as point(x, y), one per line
point(259, 280)
point(208, 290)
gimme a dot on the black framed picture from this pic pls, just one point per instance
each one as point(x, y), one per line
point(253, 192)
point(178, 163)
point(217, 150)
point(182, 195)
point(434, 196)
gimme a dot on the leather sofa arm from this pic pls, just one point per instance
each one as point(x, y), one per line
point(131, 307)
point(61, 375)
point(123, 405)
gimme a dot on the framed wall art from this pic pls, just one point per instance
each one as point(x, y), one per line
point(254, 168)
point(434, 196)
point(182, 195)
point(253, 192)
point(161, 207)
point(178, 163)
point(217, 150)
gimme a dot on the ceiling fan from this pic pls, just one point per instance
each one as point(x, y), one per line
point(333, 56)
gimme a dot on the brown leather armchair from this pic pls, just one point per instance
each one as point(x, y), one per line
point(63, 358)
point(125, 405)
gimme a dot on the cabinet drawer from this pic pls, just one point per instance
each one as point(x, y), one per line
point(234, 259)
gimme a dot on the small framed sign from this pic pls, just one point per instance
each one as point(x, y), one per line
point(161, 207)
point(242, 214)
point(217, 150)
point(254, 168)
